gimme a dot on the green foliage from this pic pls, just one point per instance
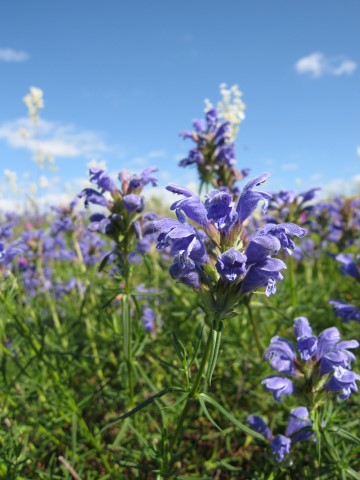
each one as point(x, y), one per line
point(65, 381)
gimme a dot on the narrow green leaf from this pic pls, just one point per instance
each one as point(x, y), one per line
point(141, 406)
point(207, 414)
point(183, 397)
point(197, 347)
point(352, 473)
point(179, 347)
point(345, 434)
point(230, 417)
point(163, 362)
point(214, 354)
point(104, 261)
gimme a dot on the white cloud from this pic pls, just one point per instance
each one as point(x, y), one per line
point(342, 186)
point(289, 166)
point(53, 139)
point(156, 154)
point(318, 65)
point(10, 55)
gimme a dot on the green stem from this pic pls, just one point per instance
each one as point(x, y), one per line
point(128, 353)
point(192, 394)
point(87, 321)
point(50, 302)
point(292, 281)
point(255, 331)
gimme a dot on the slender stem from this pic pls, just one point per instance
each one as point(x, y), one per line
point(255, 330)
point(192, 394)
point(292, 281)
point(128, 353)
point(81, 294)
point(50, 302)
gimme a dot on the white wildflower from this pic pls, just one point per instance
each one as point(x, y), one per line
point(24, 133)
point(231, 108)
point(11, 178)
point(43, 182)
point(33, 187)
point(97, 164)
point(34, 102)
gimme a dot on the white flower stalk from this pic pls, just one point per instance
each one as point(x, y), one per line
point(43, 182)
point(34, 102)
point(43, 160)
point(11, 178)
point(230, 109)
point(97, 164)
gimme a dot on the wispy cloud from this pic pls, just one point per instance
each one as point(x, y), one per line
point(156, 154)
point(317, 65)
point(55, 139)
point(11, 55)
point(342, 186)
point(290, 166)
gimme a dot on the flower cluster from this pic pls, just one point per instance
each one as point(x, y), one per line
point(324, 365)
point(8, 252)
point(336, 222)
point(298, 429)
point(350, 266)
point(215, 256)
point(124, 223)
point(214, 153)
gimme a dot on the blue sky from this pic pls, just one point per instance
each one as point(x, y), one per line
point(121, 79)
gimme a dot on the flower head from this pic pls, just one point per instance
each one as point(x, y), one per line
point(325, 362)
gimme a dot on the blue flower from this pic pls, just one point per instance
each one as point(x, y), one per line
point(221, 210)
point(231, 265)
point(249, 198)
point(283, 232)
point(261, 247)
point(102, 180)
point(307, 343)
point(298, 425)
point(148, 319)
point(92, 196)
point(281, 355)
point(349, 266)
point(138, 182)
point(278, 386)
point(345, 310)
point(263, 274)
point(258, 424)
point(191, 206)
point(133, 203)
point(298, 429)
point(280, 447)
point(343, 380)
point(211, 118)
point(195, 156)
point(7, 254)
point(325, 354)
